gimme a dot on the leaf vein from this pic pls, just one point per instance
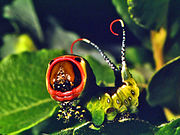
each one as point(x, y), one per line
point(26, 107)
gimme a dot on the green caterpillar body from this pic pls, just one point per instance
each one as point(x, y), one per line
point(125, 99)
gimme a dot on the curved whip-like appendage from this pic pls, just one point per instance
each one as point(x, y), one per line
point(110, 63)
point(123, 39)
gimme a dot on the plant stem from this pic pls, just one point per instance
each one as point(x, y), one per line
point(158, 39)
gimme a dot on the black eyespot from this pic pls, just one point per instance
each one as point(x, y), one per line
point(51, 62)
point(110, 110)
point(125, 101)
point(129, 98)
point(108, 100)
point(132, 92)
point(78, 59)
point(117, 101)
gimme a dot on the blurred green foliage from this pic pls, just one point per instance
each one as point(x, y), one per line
point(28, 26)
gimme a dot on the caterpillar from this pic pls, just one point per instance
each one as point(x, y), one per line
point(71, 82)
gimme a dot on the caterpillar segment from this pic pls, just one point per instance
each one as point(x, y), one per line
point(124, 100)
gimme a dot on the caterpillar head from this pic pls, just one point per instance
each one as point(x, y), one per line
point(67, 77)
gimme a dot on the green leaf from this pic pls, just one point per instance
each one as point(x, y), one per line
point(22, 14)
point(128, 127)
point(173, 52)
point(142, 56)
point(24, 99)
point(172, 128)
point(140, 59)
point(59, 38)
point(102, 72)
point(139, 77)
point(174, 22)
point(146, 70)
point(122, 9)
point(9, 45)
point(16, 44)
point(150, 14)
point(164, 87)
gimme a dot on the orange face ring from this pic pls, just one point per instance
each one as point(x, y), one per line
point(66, 77)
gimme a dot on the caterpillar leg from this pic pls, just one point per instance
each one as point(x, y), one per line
point(68, 111)
point(126, 116)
